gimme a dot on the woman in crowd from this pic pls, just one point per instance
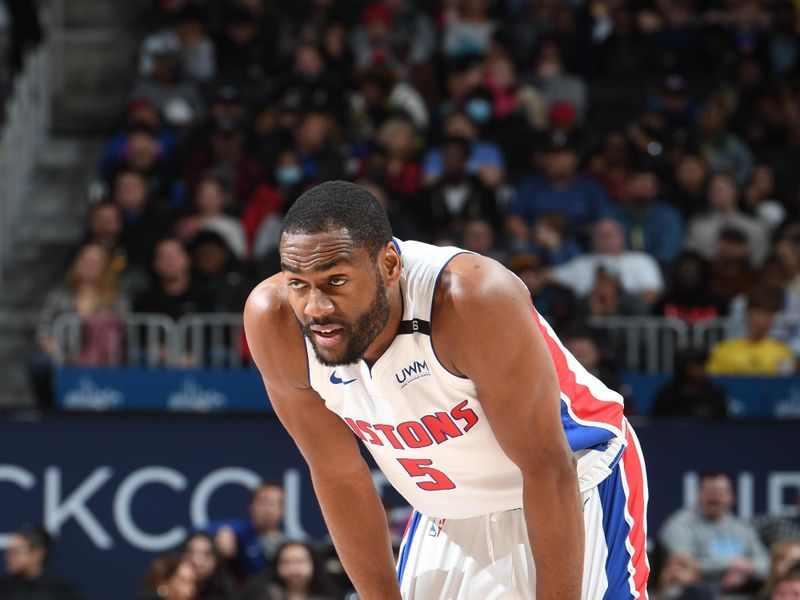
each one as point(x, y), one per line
point(169, 577)
point(213, 581)
point(298, 576)
point(90, 293)
point(784, 557)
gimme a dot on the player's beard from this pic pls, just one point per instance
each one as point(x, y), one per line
point(359, 335)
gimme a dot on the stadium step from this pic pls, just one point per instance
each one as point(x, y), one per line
point(47, 228)
point(94, 62)
point(100, 14)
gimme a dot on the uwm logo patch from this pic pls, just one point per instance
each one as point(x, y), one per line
point(416, 370)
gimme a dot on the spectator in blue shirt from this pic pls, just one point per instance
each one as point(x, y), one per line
point(560, 189)
point(250, 544)
point(485, 158)
point(650, 225)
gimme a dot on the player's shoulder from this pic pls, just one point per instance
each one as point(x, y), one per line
point(473, 280)
point(272, 334)
point(268, 303)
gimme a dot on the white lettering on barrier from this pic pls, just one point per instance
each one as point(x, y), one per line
point(123, 515)
point(745, 492)
point(20, 477)
point(292, 526)
point(198, 507)
point(56, 512)
point(776, 484)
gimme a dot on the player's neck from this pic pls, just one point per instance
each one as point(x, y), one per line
point(389, 332)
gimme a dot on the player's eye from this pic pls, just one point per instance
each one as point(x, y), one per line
point(337, 281)
point(297, 285)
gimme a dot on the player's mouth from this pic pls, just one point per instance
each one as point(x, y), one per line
point(327, 335)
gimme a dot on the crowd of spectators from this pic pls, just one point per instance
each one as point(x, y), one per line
point(248, 559)
point(702, 552)
point(624, 159)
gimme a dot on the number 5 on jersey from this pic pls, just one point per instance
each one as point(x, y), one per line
point(420, 467)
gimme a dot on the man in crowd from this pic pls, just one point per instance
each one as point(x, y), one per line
point(638, 273)
point(727, 550)
point(251, 544)
point(26, 579)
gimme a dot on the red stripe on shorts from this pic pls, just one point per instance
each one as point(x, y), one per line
point(633, 473)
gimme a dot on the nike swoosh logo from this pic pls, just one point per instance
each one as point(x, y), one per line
point(338, 380)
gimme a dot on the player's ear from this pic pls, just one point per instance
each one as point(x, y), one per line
point(391, 265)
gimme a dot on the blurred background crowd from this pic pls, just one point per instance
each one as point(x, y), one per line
point(624, 158)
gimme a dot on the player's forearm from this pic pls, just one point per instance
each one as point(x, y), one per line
point(554, 516)
point(357, 524)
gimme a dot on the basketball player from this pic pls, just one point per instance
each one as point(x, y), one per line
point(526, 479)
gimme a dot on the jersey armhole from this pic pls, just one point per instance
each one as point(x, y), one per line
point(430, 315)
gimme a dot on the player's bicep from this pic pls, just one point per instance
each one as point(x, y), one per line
point(501, 349)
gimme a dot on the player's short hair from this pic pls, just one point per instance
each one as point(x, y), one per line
point(340, 205)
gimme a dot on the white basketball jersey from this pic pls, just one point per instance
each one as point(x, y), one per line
point(425, 426)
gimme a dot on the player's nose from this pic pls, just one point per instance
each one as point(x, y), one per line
point(318, 305)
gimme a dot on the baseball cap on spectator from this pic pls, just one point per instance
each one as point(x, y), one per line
point(136, 104)
point(524, 261)
point(227, 94)
point(377, 12)
point(732, 234)
point(562, 114)
point(559, 142)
